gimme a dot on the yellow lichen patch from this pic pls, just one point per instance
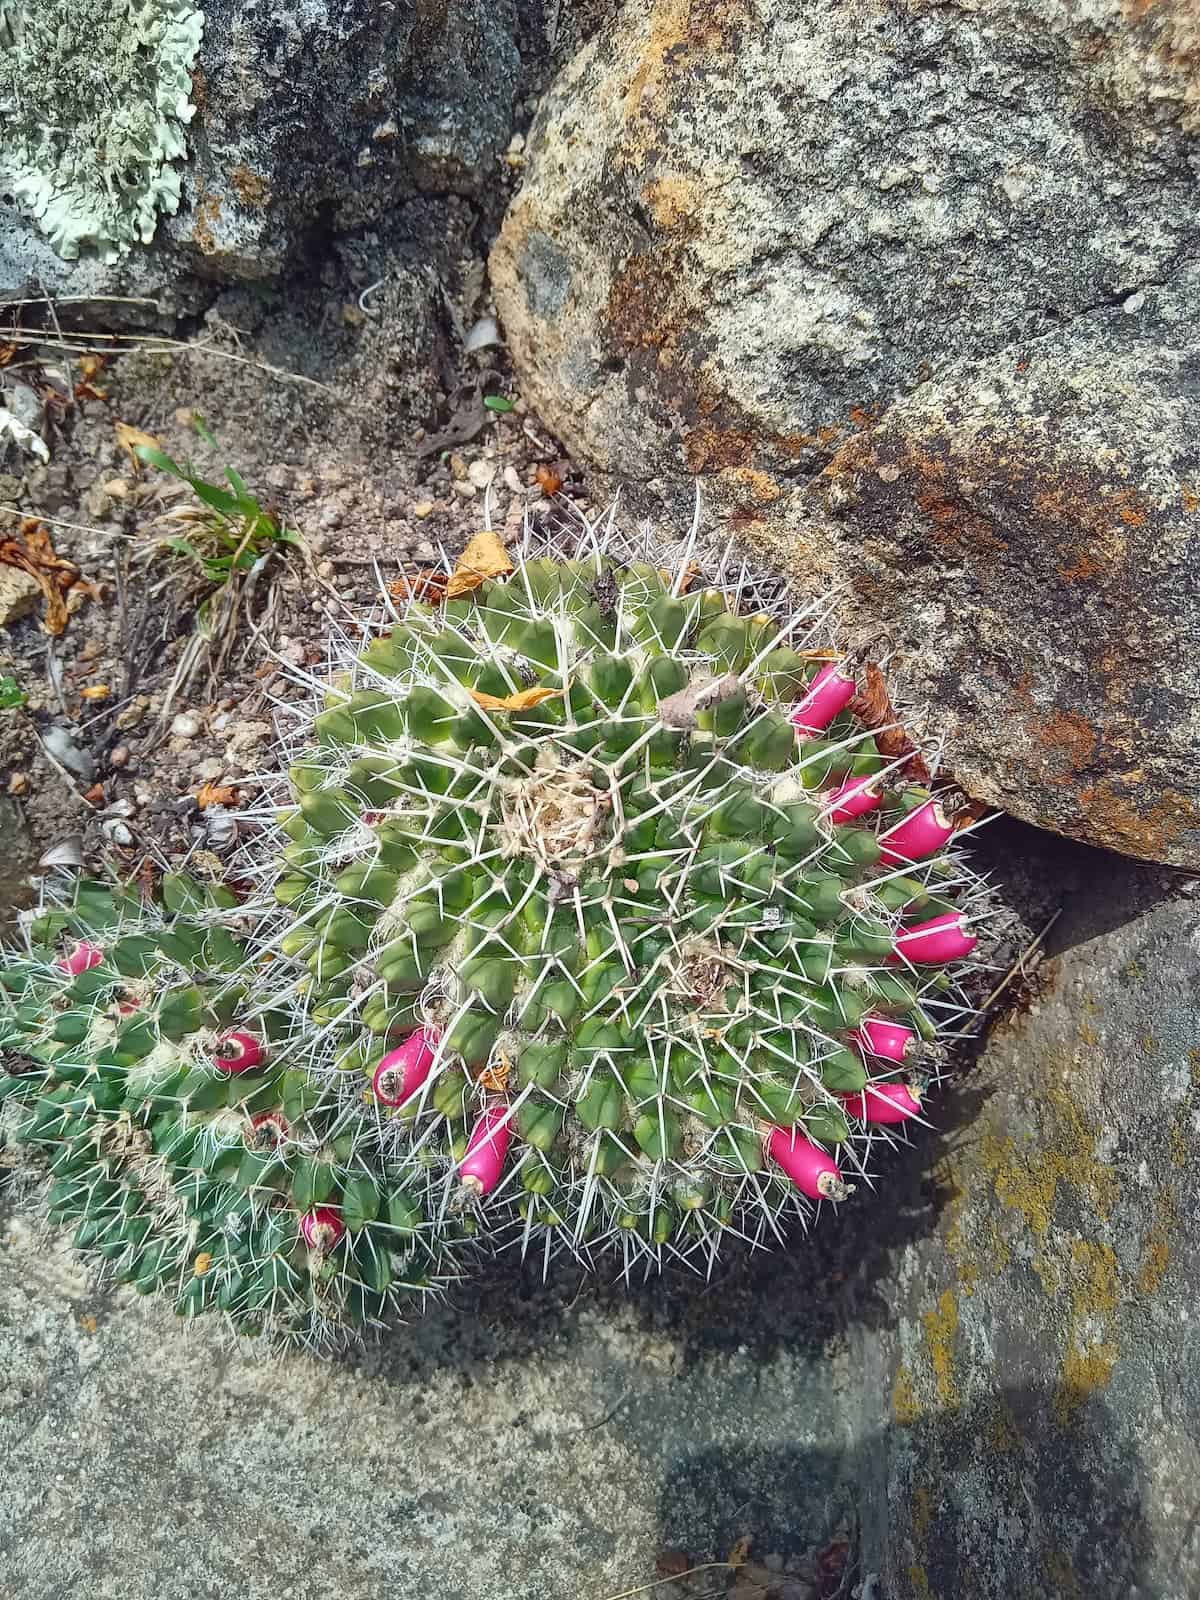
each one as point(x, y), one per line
point(1028, 1182)
point(941, 1331)
point(906, 1408)
point(919, 1579)
point(1003, 1434)
point(1091, 1357)
point(922, 1513)
point(1061, 1576)
point(1154, 1263)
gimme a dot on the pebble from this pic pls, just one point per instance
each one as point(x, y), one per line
point(325, 569)
point(208, 771)
point(466, 488)
point(119, 756)
point(458, 465)
point(185, 725)
point(481, 473)
point(423, 508)
point(512, 480)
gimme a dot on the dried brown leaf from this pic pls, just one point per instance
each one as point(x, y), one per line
point(549, 479)
point(427, 585)
point(90, 367)
point(33, 552)
point(485, 557)
point(672, 1564)
point(740, 1553)
point(523, 700)
point(7, 353)
point(872, 705)
point(130, 438)
point(95, 795)
point(495, 1078)
point(216, 794)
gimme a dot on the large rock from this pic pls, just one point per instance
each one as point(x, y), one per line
point(1044, 1396)
point(311, 119)
point(907, 289)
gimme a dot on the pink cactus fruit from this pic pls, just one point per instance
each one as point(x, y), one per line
point(810, 1169)
point(83, 958)
point(854, 798)
point(487, 1147)
point(884, 1102)
point(403, 1070)
point(917, 836)
point(944, 938)
point(829, 692)
point(239, 1051)
point(889, 1040)
point(322, 1229)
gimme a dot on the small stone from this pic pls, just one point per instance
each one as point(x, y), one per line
point(466, 488)
point(325, 569)
point(18, 783)
point(19, 594)
point(516, 144)
point(10, 486)
point(119, 756)
point(185, 726)
point(210, 770)
point(130, 717)
point(512, 480)
point(458, 465)
point(889, 473)
point(481, 473)
point(423, 509)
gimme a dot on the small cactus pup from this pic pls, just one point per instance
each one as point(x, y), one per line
point(585, 864)
point(185, 1149)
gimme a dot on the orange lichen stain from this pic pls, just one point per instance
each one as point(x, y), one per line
point(906, 1408)
point(1073, 735)
point(1189, 499)
point(941, 1331)
point(755, 488)
point(1095, 1296)
point(674, 200)
point(251, 187)
point(707, 448)
point(678, 28)
point(1152, 833)
point(208, 211)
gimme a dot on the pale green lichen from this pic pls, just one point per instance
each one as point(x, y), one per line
point(94, 100)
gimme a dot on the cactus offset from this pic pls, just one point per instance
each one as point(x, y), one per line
point(596, 918)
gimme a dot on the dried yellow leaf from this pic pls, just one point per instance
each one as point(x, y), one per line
point(740, 1553)
point(95, 691)
point(202, 1264)
point(130, 438)
point(485, 557)
point(523, 700)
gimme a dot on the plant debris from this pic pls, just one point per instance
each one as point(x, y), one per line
point(485, 557)
point(873, 706)
point(62, 584)
point(523, 700)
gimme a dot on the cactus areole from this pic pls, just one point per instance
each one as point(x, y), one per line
point(588, 917)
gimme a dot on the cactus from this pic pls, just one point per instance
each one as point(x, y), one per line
point(592, 916)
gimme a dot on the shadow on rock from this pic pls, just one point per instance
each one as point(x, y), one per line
point(989, 1500)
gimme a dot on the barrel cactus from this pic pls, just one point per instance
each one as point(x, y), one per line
point(591, 915)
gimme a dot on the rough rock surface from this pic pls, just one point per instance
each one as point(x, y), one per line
point(515, 1448)
point(1044, 1391)
point(313, 118)
point(907, 289)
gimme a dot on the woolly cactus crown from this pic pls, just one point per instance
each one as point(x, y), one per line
point(594, 918)
point(94, 97)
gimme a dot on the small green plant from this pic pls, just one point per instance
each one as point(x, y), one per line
point(231, 531)
point(229, 538)
point(11, 694)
